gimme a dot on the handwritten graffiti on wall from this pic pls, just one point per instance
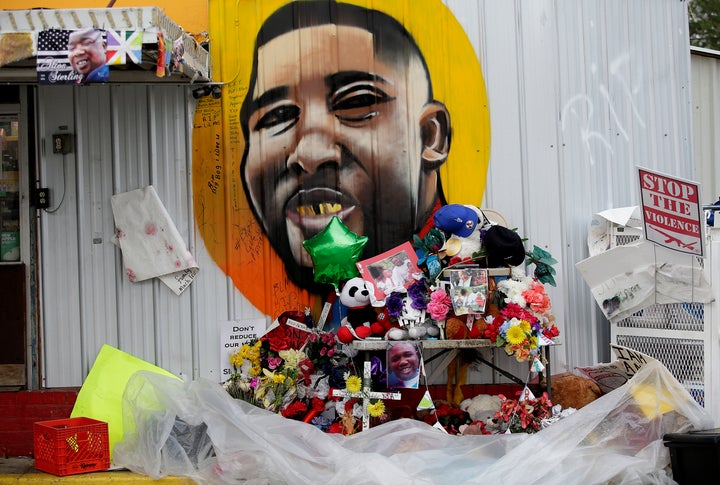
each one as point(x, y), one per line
point(351, 115)
point(581, 113)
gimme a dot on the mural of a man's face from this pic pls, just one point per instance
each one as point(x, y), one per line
point(333, 129)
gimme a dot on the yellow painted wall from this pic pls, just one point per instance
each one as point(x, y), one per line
point(191, 15)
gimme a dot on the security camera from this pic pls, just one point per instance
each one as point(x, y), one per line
point(206, 90)
point(201, 92)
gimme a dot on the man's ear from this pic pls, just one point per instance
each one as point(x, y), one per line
point(435, 132)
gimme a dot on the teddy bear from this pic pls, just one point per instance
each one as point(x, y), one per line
point(573, 391)
point(456, 328)
point(355, 295)
point(481, 407)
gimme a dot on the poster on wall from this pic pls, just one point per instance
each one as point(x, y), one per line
point(72, 56)
point(393, 270)
point(672, 216)
point(363, 135)
point(233, 335)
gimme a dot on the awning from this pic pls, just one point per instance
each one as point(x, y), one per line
point(19, 30)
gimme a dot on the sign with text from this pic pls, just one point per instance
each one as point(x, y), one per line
point(671, 210)
point(613, 375)
point(233, 334)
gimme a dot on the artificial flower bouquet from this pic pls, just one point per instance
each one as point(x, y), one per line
point(294, 375)
point(524, 317)
point(525, 414)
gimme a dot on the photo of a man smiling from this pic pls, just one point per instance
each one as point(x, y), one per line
point(86, 52)
point(333, 128)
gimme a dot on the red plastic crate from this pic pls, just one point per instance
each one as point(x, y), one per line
point(70, 446)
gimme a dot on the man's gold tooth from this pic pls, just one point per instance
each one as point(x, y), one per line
point(324, 208)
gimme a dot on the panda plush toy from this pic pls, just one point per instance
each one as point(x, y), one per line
point(355, 295)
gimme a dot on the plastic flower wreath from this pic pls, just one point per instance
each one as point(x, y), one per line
point(272, 373)
point(524, 415)
point(525, 313)
point(450, 417)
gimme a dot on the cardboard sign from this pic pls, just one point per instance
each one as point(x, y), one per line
point(672, 216)
point(233, 335)
point(613, 375)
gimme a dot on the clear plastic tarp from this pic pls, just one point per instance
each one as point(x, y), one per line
point(197, 430)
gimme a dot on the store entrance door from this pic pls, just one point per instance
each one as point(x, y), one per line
point(13, 298)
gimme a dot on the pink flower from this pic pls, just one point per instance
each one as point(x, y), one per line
point(536, 298)
point(274, 362)
point(439, 304)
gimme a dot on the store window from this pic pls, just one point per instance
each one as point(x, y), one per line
point(9, 189)
point(14, 225)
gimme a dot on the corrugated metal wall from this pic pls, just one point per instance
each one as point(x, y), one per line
point(580, 93)
point(126, 137)
point(706, 121)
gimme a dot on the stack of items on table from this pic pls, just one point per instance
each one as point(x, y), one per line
point(441, 286)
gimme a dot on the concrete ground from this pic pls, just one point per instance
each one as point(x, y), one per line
point(23, 471)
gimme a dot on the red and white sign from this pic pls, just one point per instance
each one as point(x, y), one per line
point(671, 210)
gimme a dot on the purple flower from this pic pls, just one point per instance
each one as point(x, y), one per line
point(418, 293)
point(394, 304)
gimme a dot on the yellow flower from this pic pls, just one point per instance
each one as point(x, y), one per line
point(291, 357)
point(525, 325)
point(353, 384)
point(236, 360)
point(278, 378)
point(376, 409)
point(515, 335)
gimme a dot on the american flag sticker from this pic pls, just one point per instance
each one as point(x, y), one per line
point(124, 46)
point(53, 65)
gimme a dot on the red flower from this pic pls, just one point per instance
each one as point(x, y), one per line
point(551, 332)
point(295, 409)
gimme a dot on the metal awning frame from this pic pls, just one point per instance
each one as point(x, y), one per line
point(195, 68)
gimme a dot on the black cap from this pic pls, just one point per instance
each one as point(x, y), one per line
point(504, 247)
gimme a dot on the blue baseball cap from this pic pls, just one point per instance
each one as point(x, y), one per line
point(458, 219)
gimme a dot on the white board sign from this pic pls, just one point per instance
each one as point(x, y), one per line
point(672, 215)
point(233, 334)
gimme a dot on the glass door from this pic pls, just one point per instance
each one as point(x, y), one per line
point(9, 189)
point(13, 301)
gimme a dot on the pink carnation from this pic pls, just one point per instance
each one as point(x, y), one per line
point(439, 304)
point(536, 298)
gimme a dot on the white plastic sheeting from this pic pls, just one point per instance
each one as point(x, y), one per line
point(197, 430)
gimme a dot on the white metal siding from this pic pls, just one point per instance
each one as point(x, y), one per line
point(580, 92)
point(706, 121)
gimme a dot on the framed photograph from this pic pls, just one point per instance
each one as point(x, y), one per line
point(468, 290)
point(391, 270)
point(403, 364)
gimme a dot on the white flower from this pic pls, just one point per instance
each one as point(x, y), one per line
point(514, 287)
point(292, 357)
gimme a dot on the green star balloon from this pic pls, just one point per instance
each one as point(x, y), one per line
point(334, 252)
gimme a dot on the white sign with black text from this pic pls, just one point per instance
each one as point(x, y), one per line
point(233, 335)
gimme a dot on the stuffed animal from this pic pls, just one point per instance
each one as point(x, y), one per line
point(355, 295)
point(481, 407)
point(382, 324)
point(456, 328)
point(573, 391)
